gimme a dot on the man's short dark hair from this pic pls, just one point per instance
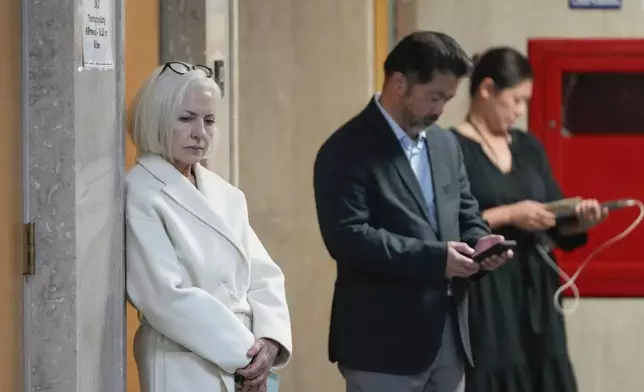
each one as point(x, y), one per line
point(420, 55)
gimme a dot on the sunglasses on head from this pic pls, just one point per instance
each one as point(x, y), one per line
point(182, 68)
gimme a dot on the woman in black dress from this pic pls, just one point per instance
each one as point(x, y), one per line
point(518, 337)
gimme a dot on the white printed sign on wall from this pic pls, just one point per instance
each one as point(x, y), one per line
point(98, 34)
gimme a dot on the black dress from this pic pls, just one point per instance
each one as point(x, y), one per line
point(518, 337)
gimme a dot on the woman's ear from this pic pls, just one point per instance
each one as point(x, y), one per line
point(487, 88)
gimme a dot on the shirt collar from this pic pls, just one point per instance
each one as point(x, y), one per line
point(401, 136)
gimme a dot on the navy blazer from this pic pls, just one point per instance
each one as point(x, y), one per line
point(390, 299)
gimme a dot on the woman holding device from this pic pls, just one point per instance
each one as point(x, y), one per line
point(518, 337)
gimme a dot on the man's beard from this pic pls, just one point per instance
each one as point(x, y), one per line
point(423, 123)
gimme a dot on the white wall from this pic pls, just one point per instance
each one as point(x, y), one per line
point(606, 336)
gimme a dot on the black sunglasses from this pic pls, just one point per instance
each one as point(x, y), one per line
point(181, 68)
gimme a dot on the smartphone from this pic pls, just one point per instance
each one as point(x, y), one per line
point(273, 382)
point(495, 250)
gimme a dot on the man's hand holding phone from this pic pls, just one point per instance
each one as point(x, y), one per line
point(498, 248)
point(460, 256)
point(459, 262)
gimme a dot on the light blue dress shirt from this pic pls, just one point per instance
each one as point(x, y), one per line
point(418, 157)
point(416, 152)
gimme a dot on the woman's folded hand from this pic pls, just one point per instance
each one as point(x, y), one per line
point(264, 352)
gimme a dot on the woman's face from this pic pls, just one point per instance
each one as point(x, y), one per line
point(194, 128)
point(505, 107)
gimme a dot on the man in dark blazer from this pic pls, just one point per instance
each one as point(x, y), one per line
point(396, 213)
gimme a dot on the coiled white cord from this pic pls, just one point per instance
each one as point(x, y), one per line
point(570, 281)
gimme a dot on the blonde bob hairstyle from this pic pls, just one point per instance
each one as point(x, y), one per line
point(157, 107)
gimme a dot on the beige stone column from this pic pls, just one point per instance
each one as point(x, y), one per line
point(73, 121)
point(305, 67)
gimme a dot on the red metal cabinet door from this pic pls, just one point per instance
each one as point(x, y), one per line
point(591, 109)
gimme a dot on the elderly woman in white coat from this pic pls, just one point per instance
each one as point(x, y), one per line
point(210, 299)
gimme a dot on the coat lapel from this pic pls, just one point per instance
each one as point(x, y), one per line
point(440, 178)
point(400, 161)
point(198, 202)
